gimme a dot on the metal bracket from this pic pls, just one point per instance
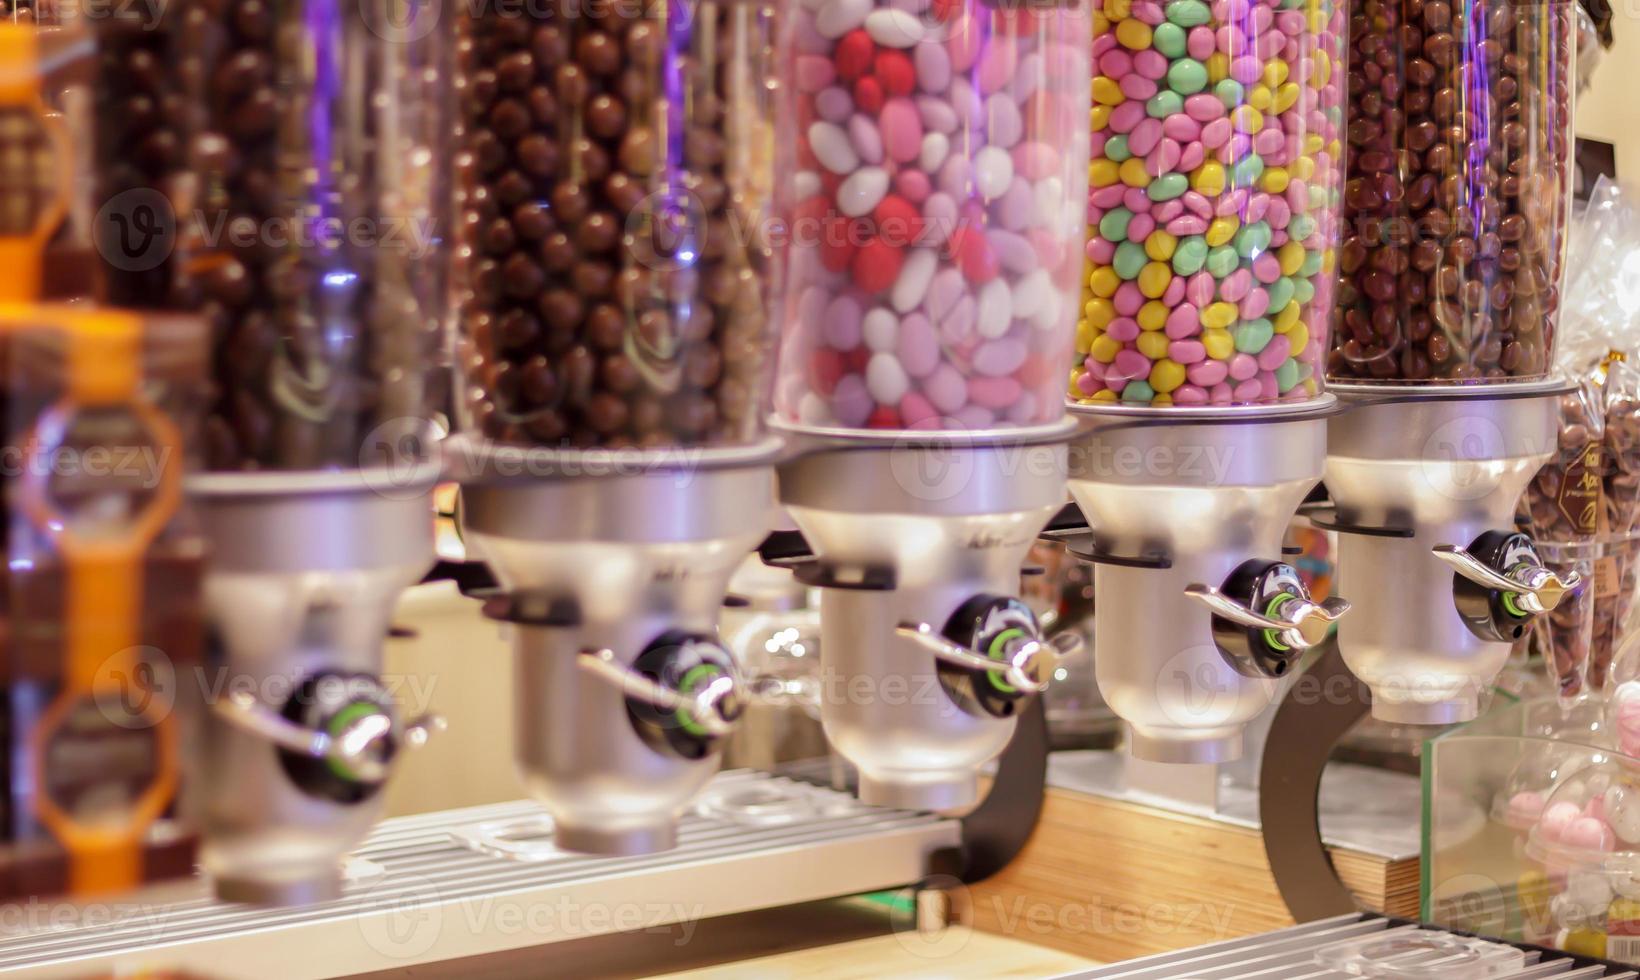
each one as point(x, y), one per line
point(1325, 516)
point(1070, 528)
point(789, 549)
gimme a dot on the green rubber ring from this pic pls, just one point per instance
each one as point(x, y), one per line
point(1271, 610)
point(997, 651)
point(1509, 604)
point(691, 681)
point(339, 722)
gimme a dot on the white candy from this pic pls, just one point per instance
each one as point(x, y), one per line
point(1048, 314)
point(993, 171)
point(881, 330)
point(894, 28)
point(934, 148)
point(806, 184)
point(1048, 202)
point(837, 17)
point(912, 284)
point(832, 147)
point(999, 357)
point(996, 309)
point(861, 191)
point(1623, 813)
point(813, 409)
point(886, 379)
point(1004, 125)
point(1030, 293)
point(1588, 891)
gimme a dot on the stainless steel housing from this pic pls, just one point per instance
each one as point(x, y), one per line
point(953, 515)
point(640, 544)
point(1209, 489)
point(1446, 465)
point(304, 571)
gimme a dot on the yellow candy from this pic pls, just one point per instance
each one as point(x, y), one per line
point(1323, 70)
point(1103, 349)
point(1152, 316)
point(1103, 281)
point(1208, 179)
point(1099, 313)
point(1313, 143)
point(1291, 257)
point(1103, 173)
point(1133, 173)
point(1218, 66)
point(1284, 320)
point(1218, 315)
point(1335, 149)
point(1274, 180)
point(1303, 168)
point(1133, 34)
point(1166, 375)
point(1327, 260)
point(1153, 279)
point(1107, 92)
point(1220, 345)
point(1101, 25)
point(1286, 95)
point(1117, 9)
point(1259, 98)
point(1160, 245)
point(1246, 119)
point(1298, 338)
point(1152, 345)
point(1085, 336)
point(1099, 118)
point(1103, 395)
point(1162, 400)
point(1275, 72)
point(1585, 942)
point(1221, 230)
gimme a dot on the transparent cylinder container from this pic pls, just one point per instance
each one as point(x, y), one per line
point(1458, 191)
point(309, 222)
point(615, 178)
point(935, 162)
point(1214, 206)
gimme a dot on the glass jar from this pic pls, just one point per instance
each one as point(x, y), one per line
point(1216, 178)
point(614, 184)
point(936, 159)
point(1458, 191)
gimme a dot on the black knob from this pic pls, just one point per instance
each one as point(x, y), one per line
point(335, 705)
point(1494, 613)
point(686, 663)
point(993, 626)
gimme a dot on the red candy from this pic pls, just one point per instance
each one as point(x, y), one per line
point(947, 9)
point(898, 220)
point(884, 417)
point(837, 246)
point(973, 254)
point(876, 265)
point(868, 96)
point(894, 72)
point(853, 55)
point(825, 367)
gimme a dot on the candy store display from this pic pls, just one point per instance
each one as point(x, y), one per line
point(1586, 844)
point(934, 169)
point(309, 220)
point(1458, 190)
point(612, 225)
point(1213, 209)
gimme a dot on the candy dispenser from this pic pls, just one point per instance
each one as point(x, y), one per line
point(1214, 212)
point(1456, 202)
point(306, 180)
point(936, 164)
point(616, 164)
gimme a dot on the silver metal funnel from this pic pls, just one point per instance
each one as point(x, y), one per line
point(614, 568)
point(304, 570)
point(1197, 616)
point(918, 539)
point(1423, 480)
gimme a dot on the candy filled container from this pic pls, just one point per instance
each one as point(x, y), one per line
point(1213, 207)
point(614, 183)
point(937, 162)
point(1586, 841)
point(1458, 190)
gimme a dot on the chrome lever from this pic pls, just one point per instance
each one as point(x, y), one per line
point(1302, 623)
point(704, 707)
point(357, 747)
point(1537, 589)
point(1020, 670)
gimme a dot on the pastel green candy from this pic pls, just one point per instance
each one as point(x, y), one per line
point(1312, 264)
point(1305, 371)
point(1280, 293)
point(1169, 39)
point(1230, 92)
point(1247, 171)
point(1301, 226)
point(1319, 198)
point(1188, 13)
point(1253, 336)
point(1116, 148)
point(1167, 187)
point(1252, 239)
point(1164, 104)
point(1222, 261)
point(1114, 225)
point(1138, 391)
point(1287, 375)
point(1190, 256)
point(1303, 291)
point(1130, 258)
point(1187, 76)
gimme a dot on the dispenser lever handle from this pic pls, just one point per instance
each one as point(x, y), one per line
point(1300, 623)
point(356, 747)
point(704, 706)
point(1031, 660)
point(1539, 589)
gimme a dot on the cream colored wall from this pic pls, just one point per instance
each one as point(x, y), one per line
point(1610, 109)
